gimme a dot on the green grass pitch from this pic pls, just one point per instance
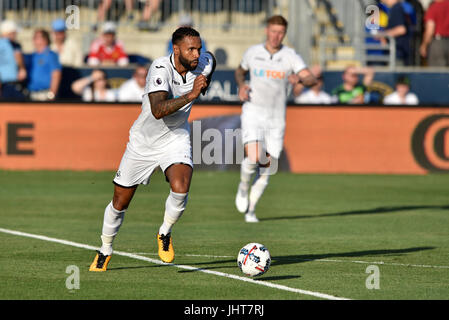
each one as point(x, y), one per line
point(323, 232)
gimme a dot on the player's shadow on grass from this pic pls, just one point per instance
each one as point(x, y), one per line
point(291, 259)
point(136, 267)
point(275, 278)
point(356, 212)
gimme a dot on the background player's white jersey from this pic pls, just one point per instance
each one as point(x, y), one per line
point(149, 133)
point(269, 77)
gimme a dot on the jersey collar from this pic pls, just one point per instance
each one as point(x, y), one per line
point(269, 53)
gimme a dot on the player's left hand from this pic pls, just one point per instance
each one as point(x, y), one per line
point(293, 78)
point(199, 84)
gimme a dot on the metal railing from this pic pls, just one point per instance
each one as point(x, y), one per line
point(349, 41)
point(359, 50)
point(230, 14)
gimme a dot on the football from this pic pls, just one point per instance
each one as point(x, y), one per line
point(254, 259)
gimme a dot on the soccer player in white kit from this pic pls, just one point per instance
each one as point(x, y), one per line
point(272, 68)
point(160, 137)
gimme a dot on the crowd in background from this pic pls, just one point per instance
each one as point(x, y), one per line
point(421, 35)
point(37, 76)
point(354, 89)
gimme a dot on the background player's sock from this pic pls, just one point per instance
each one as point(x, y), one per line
point(112, 221)
point(257, 190)
point(247, 169)
point(174, 207)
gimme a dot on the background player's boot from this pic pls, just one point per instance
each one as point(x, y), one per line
point(241, 199)
point(251, 217)
point(100, 263)
point(165, 245)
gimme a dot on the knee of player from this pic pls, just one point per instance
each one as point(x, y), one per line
point(180, 186)
point(119, 204)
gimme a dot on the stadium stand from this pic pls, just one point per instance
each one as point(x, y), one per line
point(329, 33)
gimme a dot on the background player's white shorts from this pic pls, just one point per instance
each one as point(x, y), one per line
point(268, 132)
point(135, 169)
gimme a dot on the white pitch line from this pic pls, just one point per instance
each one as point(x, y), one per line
point(382, 263)
point(142, 258)
point(318, 260)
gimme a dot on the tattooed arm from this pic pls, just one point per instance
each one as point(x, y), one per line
point(307, 78)
point(243, 88)
point(161, 106)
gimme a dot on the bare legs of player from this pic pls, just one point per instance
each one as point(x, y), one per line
point(179, 177)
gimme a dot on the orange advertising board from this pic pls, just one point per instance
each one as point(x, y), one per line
point(336, 139)
point(360, 139)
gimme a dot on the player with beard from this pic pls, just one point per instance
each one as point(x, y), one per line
point(160, 137)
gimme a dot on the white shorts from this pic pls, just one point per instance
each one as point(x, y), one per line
point(135, 169)
point(269, 133)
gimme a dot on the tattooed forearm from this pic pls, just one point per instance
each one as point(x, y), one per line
point(161, 107)
point(240, 74)
point(309, 81)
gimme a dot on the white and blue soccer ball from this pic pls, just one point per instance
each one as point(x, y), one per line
point(254, 259)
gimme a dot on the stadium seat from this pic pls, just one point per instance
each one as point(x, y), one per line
point(138, 59)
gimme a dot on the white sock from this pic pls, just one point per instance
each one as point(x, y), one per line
point(257, 190)
point(247, 169)
point(112, 221)
point(174, 208)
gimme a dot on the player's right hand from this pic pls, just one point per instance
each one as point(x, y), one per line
point(199, 84)
point(423, 50)
point(244, 92)
point(97, 75)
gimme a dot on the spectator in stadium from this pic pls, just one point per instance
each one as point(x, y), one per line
point(8, 71)
point(352, 91)
point(107, 50)
point(132, 90)
point(105, 5)
point(9, 31)
point(435, 43)
point(399, 28)
point(315, 95)
point(44, 70)
point(68, 49)
point(94, 88)
point(402, 95)
point(186, 21)
point(151, 6)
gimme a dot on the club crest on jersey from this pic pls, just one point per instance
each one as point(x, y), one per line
point(157, 81)
point(269, 74)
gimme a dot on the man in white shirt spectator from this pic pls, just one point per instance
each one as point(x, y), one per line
point(314, 95)
point(132, 90)
point(68, 49)
point(402, 95)
point(94, 88)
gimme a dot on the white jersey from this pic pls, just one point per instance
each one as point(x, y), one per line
point(269, 78)
point(394, 99)
point(148, 133)
point(312, 97)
